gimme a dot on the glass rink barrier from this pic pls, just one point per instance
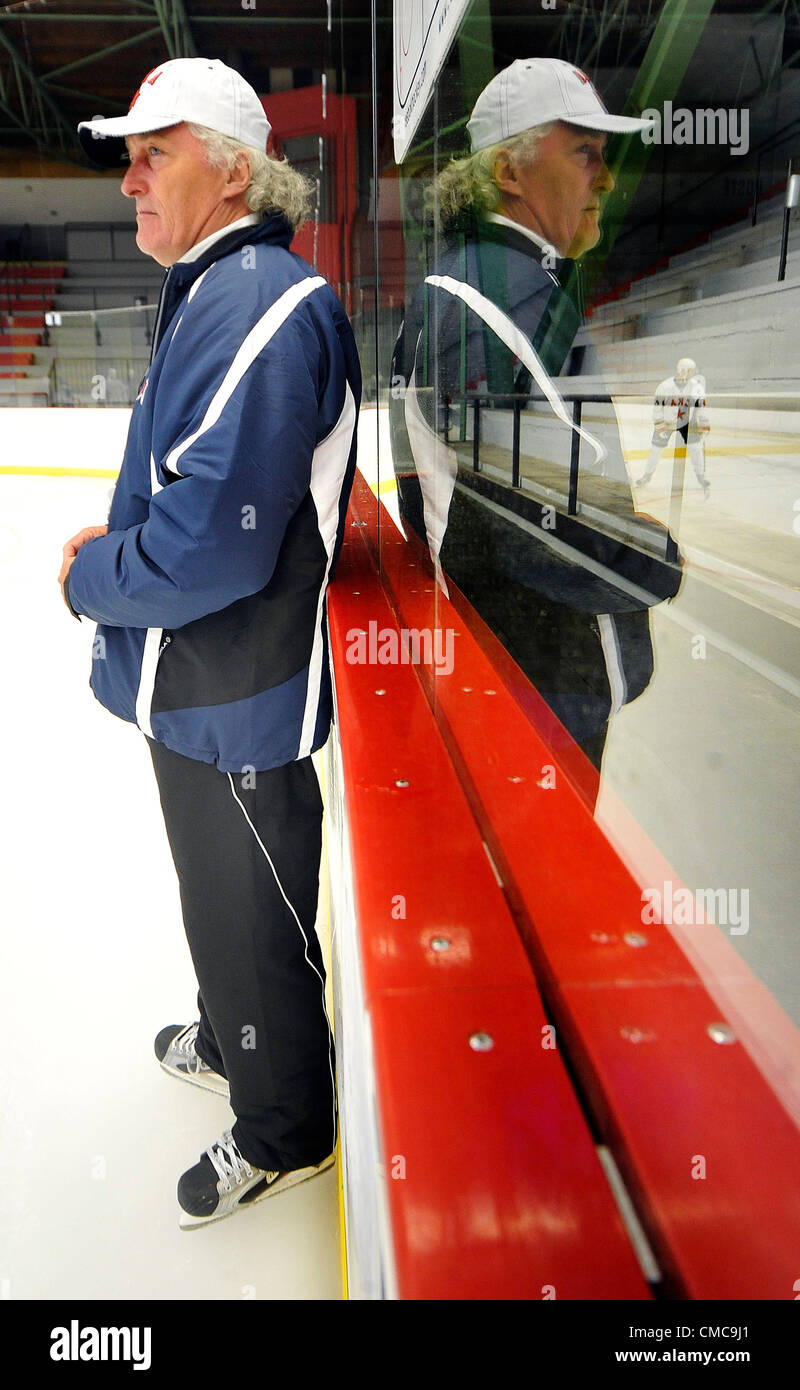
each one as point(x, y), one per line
point(563, 788)
point(99, 356)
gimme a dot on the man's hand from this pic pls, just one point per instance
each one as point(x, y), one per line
point(89, 533)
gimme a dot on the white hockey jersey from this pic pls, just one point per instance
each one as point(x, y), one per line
point(676, 405)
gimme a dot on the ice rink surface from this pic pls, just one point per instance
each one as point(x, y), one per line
point(95, 962)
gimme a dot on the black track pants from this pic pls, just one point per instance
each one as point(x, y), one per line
point(246, 848)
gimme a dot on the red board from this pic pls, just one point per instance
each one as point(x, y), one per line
point(494, 1185)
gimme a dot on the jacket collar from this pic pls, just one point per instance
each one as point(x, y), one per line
point(250, 219)
point(501, 221)
point(568, 274)
point(275, 230)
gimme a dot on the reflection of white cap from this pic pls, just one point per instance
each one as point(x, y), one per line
point(534, 91)
point(202, 90)
point(685, 369)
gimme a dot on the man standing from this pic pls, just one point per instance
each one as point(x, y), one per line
point(495, 322)
point(208, 585)
point(680, 405)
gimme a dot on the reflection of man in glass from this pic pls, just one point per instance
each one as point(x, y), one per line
point(680, 404)
point(560, 596)
point(548, 172)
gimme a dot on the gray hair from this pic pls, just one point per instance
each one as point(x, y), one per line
point(466, 187)
point(274, 185)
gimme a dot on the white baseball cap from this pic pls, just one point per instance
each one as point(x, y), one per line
point(534, 91)
point(203, 90)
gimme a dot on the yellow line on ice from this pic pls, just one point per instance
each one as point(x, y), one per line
point(329, 963)
point(742, 450)
point(63, 472)
point(388, 485)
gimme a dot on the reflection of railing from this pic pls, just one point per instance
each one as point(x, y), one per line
point(792, 200)
point(517, 401)
point(769, 146)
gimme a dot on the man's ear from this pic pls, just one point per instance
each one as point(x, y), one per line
point(504, 172)
point(238, 176)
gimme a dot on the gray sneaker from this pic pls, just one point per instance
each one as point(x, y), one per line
point(174, 1049)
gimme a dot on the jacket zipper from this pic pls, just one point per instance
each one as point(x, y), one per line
point(159, 313)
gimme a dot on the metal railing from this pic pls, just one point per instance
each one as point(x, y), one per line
point(85, 381)
point(517, 401)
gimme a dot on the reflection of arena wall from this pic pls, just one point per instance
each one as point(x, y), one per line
point(748, 338)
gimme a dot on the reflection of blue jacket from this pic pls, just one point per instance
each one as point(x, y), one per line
point(510, 270)
point(228, 515)
point(566, 597)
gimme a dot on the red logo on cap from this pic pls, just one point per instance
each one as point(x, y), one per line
point(151, 77)
point(588, 82)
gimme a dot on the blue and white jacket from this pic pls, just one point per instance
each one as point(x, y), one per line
point(228, 516)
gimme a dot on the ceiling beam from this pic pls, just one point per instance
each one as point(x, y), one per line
point(249, 18)
point(61, 125)
point(178, 38)
point(48, 77)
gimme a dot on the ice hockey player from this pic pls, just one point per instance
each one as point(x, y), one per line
point(680, 404)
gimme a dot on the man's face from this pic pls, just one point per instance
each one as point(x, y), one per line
point(559, 194)
point(180, 197)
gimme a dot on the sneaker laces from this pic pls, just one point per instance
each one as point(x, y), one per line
point(228, 1162)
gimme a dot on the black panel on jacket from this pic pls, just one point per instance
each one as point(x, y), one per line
point(255, 643)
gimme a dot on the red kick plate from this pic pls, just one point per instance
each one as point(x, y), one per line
point(503, 1187)
point(494, 1185)
point(656, 1071)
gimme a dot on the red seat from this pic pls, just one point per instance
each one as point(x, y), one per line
point(25, 306)
point(44, 270)
point(21, 321)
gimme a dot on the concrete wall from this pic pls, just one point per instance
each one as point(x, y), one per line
point(44, 202)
